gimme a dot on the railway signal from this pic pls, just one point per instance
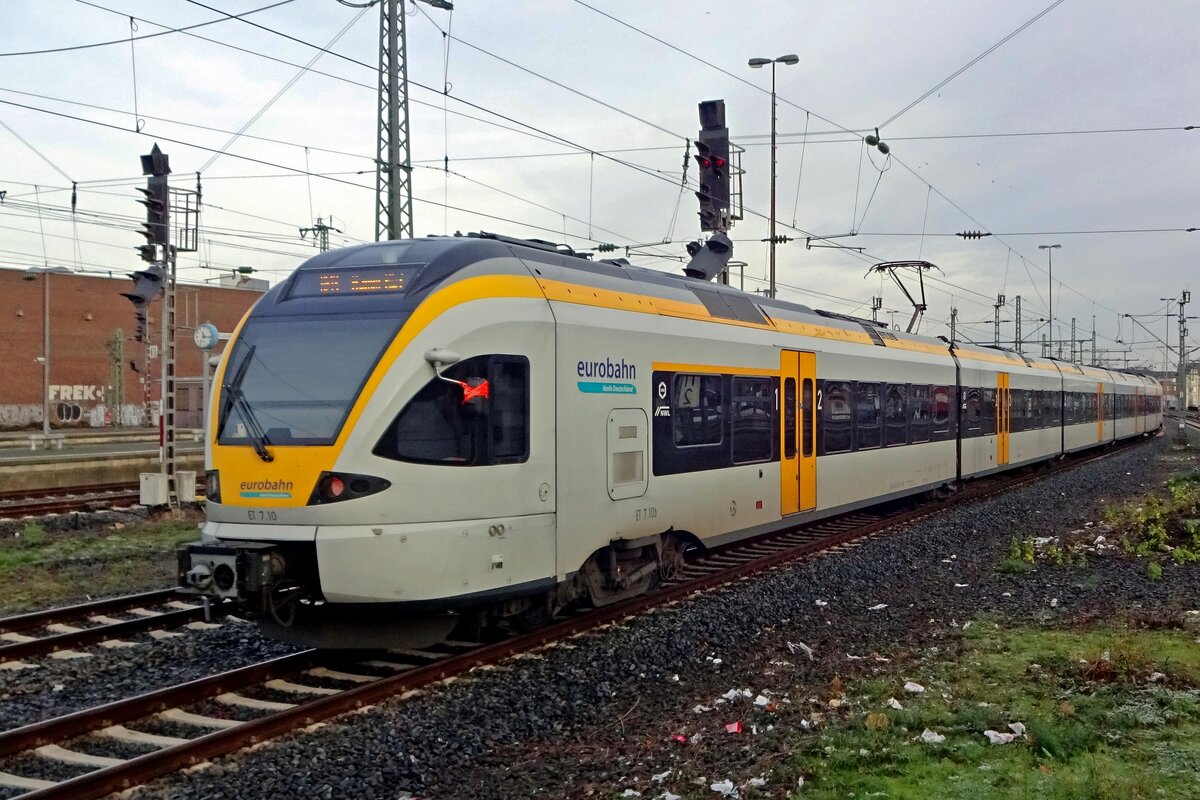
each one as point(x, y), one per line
point(712, 156)
point(147, 285)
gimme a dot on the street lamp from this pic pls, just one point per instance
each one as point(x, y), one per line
point(757, 63)
point(1050, 248)
point(1167, 335)
point(31, 275)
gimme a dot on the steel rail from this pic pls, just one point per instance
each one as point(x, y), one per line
point(38, 619)
point(144, 768)
point(99, 633)
point(68, 726)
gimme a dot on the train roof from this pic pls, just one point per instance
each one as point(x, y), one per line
point(435, 258)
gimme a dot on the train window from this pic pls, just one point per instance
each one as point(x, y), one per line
point(1021, 410)
point(806, 429)
point(941, 410)
point(868, 416)
point(918, 424)
point(1068, 408)
point(837, 416)
point(441, 426)
point(508, 412)
point(789, 418)
point(895, 414)
point(972, 411)
point(987, 412)
point(1051, 409)
point(753, 406)
point(699, 412)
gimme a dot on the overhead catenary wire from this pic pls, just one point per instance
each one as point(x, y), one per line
point(972, 62)
point(108, 42)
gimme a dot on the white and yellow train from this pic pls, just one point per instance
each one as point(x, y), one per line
point(411, 435)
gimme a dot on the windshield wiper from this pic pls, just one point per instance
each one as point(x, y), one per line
point(231, 395)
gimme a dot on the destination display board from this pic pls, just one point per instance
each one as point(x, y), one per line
point(350, 281)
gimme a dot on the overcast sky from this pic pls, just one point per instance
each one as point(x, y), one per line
point(567, 121)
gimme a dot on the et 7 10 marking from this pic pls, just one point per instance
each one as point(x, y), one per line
point(259, 515)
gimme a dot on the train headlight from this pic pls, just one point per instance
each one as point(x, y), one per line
point(212, 485)
point(334, 487)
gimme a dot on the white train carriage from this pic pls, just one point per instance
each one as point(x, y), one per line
point(410, 435)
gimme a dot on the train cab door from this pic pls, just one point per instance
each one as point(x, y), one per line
point(1003, 417)
point(797, 432)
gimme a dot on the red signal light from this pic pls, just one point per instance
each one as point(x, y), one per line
point(718, 162)
point(703, 162)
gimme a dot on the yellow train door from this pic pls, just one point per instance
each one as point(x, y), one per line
point(1003, 417)
point(797, 432)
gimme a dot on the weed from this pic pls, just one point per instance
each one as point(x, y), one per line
point(1061, 741)
point(1154, 571)
point(1027, 550)
point(1014, 566)
point(32, 535)
point(1014, 549)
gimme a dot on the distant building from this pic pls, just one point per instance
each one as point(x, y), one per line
point(99, 374)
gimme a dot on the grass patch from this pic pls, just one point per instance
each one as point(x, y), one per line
point(39, 569)
point(1108, 712)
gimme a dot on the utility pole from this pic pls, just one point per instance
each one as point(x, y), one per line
point(1093, 340)
point(320, 233)
point(999, 304)
point(1181, 370)
point(953, 325)
point(393, 164)
point(876, 304)
point(116, 391)
point(1073, 359)
point(1045, 347)
point(1017, 323)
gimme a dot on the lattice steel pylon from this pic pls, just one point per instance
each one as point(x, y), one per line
point(393, 163)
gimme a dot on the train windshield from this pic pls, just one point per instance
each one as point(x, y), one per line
point(298, 377)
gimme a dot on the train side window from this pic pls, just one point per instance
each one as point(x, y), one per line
point(508, 412)
point(806, 429)
point(987, 412)
point(918, 424)
point(896, 414)
point(699, 412)
point(942, 403)
point(789, 418)
point(972, 411)
point(868, 416)
point(1015, 410)
point(482, 420)
point(753, 404)
point(1052, 409)
point(837, 417)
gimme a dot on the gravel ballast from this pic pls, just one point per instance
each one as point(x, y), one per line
point(598, 715)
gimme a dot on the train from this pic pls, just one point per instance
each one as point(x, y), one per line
point(475, 431)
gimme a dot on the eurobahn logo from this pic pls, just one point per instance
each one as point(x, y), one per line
point(270, 489)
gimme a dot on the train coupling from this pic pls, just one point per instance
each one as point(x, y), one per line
point(237, 571)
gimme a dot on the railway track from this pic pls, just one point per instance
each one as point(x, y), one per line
point(61, 631)
point(66, 499)
point(35, 502)
point(318, 688)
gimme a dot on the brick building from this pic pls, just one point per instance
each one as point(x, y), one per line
point(99, 373)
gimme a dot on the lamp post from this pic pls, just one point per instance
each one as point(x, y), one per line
point(756, 63)
point(1167, 335)
point(1050, 248)
point(31, 275)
